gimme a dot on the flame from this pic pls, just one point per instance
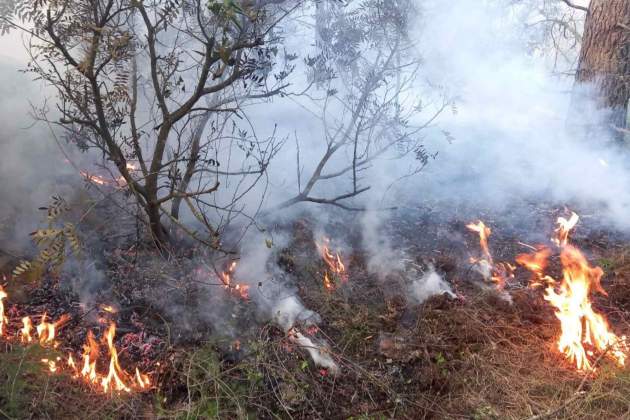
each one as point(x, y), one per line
point(95, 179)
point(46, 330)
point(484, 232)
point(564, 228)
point(580, 324)
point(90, 355)
point(52, 365)
point(582, 329)
point(113, 378)
point(143, 380)
point(536, 263)
point(328, 284)
point(334, 264)
point(241, 290)
point(3, 317)
point(109, 308)
point(25, 332)
point(498, 273)
point(46, 333)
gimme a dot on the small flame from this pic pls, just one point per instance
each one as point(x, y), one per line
point(109, 308)
point(334, 264)
point(46, 331)
point(52, 365)
point(241, 290)
point(142, 380)
point(95, 179)
point(25, 332)
point(564, 228)
point(498, 273)
point(90, 355)
point(536, 263)
point(328, 284)
point(3, 317)
point(113, 378)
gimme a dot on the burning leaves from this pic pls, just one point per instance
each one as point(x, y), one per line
point(116, 379)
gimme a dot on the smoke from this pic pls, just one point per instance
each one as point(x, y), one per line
point(510, 139)
point(430, 284)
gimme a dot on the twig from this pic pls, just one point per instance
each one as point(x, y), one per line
point(575, 6)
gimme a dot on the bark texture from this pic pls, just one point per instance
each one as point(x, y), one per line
point(605, 57)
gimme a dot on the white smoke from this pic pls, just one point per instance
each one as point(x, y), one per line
point(430, 284)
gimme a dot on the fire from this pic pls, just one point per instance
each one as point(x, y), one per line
point(113, 378)
point(582, 329)
point(25, 332)
point(95, 179)
point(116, 378)
point(3, 317)
point(580, 324)
point(241, 290)
point(564, 228)
point(46, 330)
point(142, 380)
point(334, 264)
point(498, 273)
point(90, 355)
point(328, 284)
point(536, 263)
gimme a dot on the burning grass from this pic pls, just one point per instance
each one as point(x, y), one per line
point(475, 356)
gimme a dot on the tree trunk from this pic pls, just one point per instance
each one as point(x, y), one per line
point(158, 231)
point(192, 164)
point(604, 63)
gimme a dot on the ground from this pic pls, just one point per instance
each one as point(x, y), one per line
point(475, 356)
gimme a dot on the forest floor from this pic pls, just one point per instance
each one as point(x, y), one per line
point(473, 356)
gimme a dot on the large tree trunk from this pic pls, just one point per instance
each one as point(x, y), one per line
point(604, 62)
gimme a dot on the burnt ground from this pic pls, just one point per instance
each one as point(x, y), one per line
point(471, 357)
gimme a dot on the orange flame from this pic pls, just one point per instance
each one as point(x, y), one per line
point(328, 284)
point(498, 273)
point(113, 378)
point(46, 330)
point(95, 179)
point(536, 263)
point(143, 380)
point(484, 232)
point(580, 324)
point(90, 355)
point(116, 376)
point(241, 290)
point(334, 263)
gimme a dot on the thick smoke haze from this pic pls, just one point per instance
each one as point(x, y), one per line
point(510, 134)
